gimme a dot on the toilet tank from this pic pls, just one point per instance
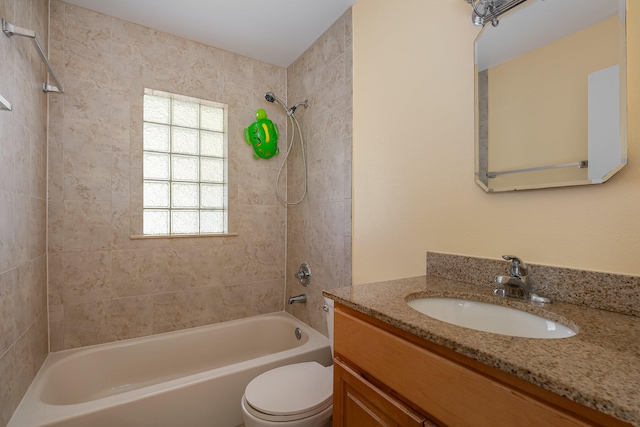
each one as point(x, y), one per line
point(328, 308)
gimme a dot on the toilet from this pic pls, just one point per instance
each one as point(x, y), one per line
point(297, 395)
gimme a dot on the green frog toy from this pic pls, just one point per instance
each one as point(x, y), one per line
point(263, 135)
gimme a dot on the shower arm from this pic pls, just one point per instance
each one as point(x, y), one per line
point(305, 104)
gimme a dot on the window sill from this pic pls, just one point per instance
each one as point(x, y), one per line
point(180, 236)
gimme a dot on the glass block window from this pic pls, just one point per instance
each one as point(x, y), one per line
point(184, 165)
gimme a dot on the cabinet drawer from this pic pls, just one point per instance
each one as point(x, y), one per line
point(445, 390)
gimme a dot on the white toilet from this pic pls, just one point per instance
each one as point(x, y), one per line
point(298, 395)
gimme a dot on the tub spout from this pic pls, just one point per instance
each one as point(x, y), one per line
point(299, 298)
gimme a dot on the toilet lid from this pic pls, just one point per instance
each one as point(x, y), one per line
point(302, 388)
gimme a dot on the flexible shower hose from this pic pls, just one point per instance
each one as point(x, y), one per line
point(292, 119)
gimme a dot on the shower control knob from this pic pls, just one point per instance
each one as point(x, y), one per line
point(304, 274)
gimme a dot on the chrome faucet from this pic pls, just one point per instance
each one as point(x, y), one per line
point(298, 298)
point(515, 285)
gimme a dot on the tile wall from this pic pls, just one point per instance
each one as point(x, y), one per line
point(23, 266)
point(104, 286)
point(319, 228)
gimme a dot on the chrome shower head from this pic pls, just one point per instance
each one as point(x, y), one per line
point(269, 96)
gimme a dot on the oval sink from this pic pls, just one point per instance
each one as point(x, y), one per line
point(492, 318)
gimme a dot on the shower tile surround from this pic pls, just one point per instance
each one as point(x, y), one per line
point(23, 153)
point(103, 285)
point(319, 228)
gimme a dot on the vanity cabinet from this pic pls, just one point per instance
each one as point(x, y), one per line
point(363, 404)
point(384, 376)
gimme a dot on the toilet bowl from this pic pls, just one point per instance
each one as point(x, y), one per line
point(292, 395)
point(297, 395)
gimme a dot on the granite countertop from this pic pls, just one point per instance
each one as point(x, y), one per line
point(599, 367)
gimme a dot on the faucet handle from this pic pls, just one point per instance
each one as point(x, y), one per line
point(517, 268)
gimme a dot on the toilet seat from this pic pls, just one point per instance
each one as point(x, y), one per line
point(291, 392)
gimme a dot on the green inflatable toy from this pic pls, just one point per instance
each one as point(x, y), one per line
point(263, 135)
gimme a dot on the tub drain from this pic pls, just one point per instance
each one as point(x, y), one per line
point(298, 333)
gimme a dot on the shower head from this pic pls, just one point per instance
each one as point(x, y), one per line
point(269, 96)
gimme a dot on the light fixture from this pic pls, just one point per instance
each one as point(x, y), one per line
point(489, 10)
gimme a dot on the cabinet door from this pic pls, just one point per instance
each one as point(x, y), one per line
point(357, 403)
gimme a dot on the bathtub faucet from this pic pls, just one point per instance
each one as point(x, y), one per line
point(299, 298)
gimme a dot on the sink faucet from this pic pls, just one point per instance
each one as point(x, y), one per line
point(515, 285)
point(298, 298)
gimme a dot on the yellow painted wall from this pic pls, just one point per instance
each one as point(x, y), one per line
point(413, 158)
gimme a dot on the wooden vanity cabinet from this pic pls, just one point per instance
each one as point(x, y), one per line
point(384, 376)
point(360, 403)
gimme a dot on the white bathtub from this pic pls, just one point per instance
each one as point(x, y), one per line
point(190, 378)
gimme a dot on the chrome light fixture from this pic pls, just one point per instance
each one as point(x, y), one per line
point(489, 10)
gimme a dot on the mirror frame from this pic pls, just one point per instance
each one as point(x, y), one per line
point(483, 175)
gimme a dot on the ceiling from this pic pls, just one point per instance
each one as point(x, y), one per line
point(273, 31)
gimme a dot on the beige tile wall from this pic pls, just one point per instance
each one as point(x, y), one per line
point(319, 228)
point(104, 286)
point(23, 267)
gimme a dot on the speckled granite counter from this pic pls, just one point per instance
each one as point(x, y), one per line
point(599, 367)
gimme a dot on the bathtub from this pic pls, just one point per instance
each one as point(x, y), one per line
point(190, 378)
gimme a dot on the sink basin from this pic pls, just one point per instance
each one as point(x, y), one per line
point(492, 318)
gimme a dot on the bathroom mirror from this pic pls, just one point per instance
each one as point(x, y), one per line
point(551, 106)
